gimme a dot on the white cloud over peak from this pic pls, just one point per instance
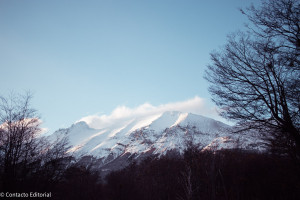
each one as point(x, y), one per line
point(123, 113)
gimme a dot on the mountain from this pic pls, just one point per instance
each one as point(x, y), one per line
point(157, 134)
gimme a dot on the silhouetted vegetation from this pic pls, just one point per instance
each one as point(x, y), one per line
point(27, 160)
point(226, 174)
point(255, 77)
point(79, 182)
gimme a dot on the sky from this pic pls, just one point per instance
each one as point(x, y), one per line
point(98, 58)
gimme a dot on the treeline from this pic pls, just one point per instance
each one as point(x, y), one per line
point(225, 174)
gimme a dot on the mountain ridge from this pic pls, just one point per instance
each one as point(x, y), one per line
point(155, 134)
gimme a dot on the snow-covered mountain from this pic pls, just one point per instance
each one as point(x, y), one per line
point(155, 134)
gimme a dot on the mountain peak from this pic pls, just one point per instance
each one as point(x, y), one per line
point(80, 124)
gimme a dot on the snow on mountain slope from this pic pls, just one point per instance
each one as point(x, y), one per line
point(154, 134)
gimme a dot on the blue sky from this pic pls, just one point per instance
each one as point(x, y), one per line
point(83, 58)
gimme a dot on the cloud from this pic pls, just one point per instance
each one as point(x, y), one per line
point(120, 114)
point(28, 123)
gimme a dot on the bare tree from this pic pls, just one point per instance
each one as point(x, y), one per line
point(19, 130)
point(186, 182)
point(23, 151)
point(255, 78)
